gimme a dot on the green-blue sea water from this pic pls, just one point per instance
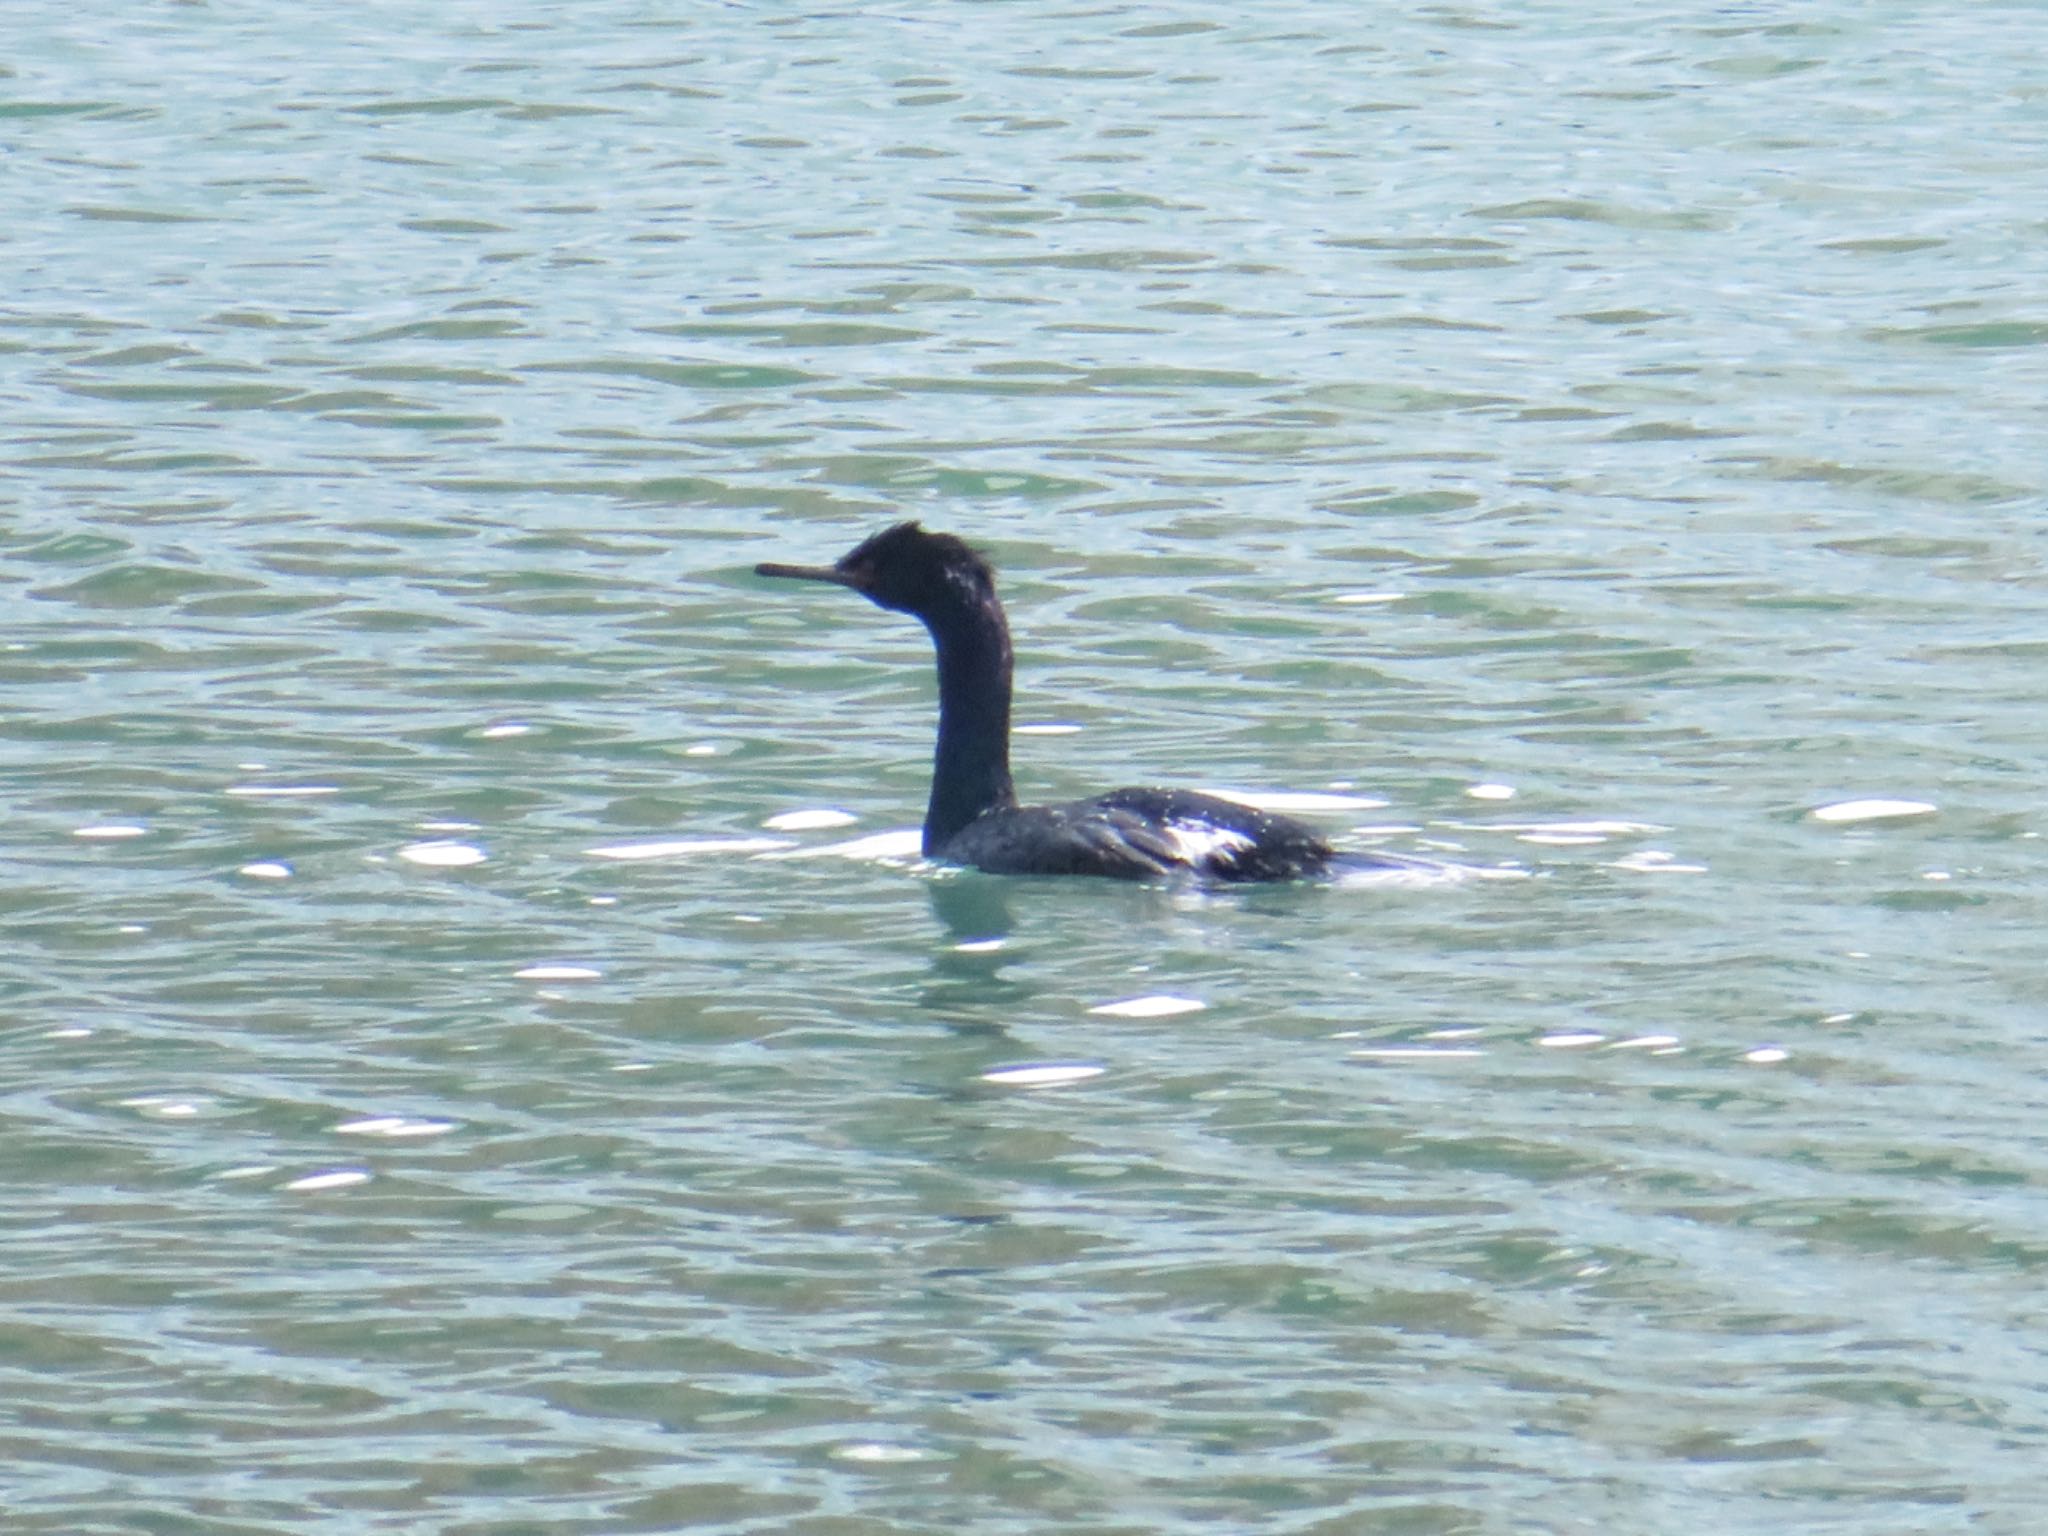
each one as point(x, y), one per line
point(475, 1061)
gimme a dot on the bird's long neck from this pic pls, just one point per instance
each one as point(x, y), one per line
point(971, 768)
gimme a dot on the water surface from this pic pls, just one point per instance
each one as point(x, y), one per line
point(1582, 443)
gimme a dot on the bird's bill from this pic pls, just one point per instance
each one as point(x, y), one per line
point(829, 573)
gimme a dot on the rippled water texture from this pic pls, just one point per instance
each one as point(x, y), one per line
point(479, 1057)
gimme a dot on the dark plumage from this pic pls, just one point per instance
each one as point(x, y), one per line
point(973, 817)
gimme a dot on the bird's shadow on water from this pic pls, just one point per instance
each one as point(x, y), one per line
point(978, 912)
point(977, 909)
point(981, 917)
point(977, 917)
point(973, 909)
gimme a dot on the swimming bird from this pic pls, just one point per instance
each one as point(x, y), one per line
point(973, 817)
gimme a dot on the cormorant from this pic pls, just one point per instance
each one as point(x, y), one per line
point(974, 818)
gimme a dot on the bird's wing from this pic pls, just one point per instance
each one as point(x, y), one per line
point(1084, 838)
